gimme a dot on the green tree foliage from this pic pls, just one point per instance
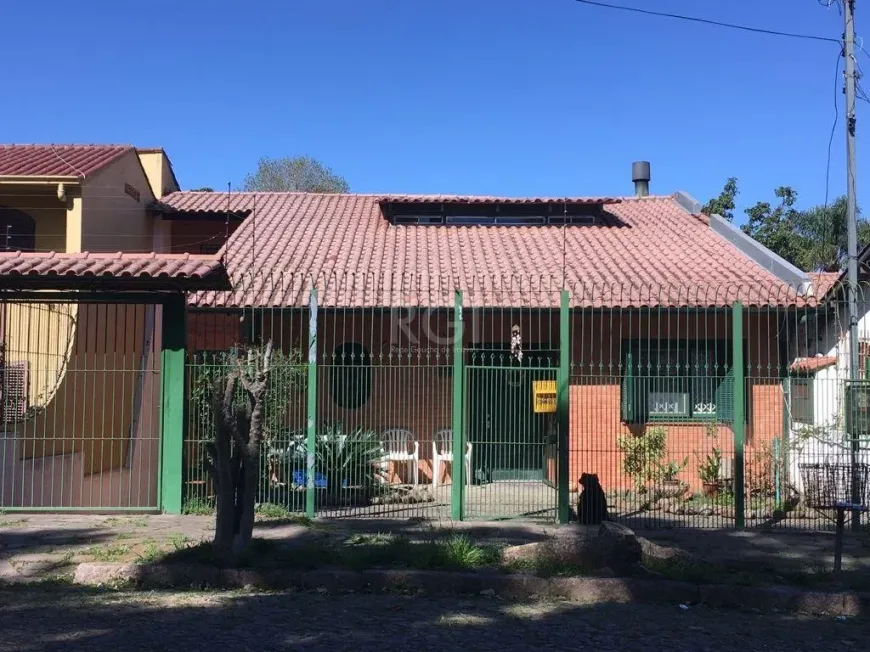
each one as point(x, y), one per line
point(814, 239)
point(723, 204)
point(294, 174)
point(775, 226)
point(825, 236)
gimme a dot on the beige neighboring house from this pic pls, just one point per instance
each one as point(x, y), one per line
point(70, 435)
point(74, 198)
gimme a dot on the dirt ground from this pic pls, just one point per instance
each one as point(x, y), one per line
point(38, 618)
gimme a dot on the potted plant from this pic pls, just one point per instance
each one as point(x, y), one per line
point(670, 484)
point(348, 463)
point(709, 473)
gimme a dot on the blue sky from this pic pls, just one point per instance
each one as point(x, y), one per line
point(516, 97)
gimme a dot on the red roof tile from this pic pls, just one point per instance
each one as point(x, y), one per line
point(649, 251)
point(824, 282)
point(812, 365)
point(57, 160)
point(20, 270)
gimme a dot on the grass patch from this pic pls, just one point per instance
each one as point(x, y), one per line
point(547, 567)
point(699, 572)
point(179, 541)
point(14, 522)
point(357, 552)
point(110, 552)
point(150, 552)
point(273, 510)
point(197, 507)
point(814, 576)
point(461, 552)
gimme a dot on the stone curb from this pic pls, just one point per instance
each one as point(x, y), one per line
point(579, 590)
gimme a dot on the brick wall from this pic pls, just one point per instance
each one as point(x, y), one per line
point(411, 379)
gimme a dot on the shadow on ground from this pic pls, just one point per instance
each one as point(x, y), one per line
point(753, 556)
point(43, 539)
point(60, 618)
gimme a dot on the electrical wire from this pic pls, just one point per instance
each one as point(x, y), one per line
point(706, 21)
point(78, 172)
point(833, 129)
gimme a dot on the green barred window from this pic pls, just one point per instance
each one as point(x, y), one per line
point(677, 379)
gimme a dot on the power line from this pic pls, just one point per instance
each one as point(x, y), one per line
point(706, 21)
point(833, 127)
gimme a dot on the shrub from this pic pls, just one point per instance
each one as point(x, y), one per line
point(642, 454)
point(347, 458)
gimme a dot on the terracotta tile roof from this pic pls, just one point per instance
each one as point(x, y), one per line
point(812, 365)
point(57, 160)
point(647, 251)
point(824, 281)
point(20, 270)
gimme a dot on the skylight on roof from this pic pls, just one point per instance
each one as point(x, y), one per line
point(447, 214)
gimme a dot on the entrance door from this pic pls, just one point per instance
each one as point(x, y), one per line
point(508, 438)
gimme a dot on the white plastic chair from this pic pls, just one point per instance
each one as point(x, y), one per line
point(442, 451)
point(400, 446)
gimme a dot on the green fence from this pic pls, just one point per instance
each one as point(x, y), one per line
point(420, 397)
point(722, 407)
point(80, 397)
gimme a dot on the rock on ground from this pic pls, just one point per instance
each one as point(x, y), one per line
point(613, 546)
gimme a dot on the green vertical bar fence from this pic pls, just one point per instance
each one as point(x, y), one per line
point(173, 402)
point(739, 423)
point(457, 490)
point(563, 406)
point(311, 421)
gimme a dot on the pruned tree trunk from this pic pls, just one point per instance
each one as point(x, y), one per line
point(235, 453)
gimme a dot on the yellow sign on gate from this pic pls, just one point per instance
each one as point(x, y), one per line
point(544, 395)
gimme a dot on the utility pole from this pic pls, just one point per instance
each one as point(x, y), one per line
point(852, 227)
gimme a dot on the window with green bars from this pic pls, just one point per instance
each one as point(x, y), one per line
point(679, 380)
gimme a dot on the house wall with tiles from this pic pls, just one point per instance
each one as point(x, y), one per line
point(409, 375)
point(596, 394)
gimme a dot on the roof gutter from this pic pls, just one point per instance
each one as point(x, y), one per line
point(37, 180)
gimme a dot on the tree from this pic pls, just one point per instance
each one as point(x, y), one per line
point(723, 204)
point(775, 227)
point(814, 239)
point(235, 453)
point(296, 174)
point(824, 233)
point(204, 189)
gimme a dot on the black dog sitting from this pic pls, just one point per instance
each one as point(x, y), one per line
point(592, 503)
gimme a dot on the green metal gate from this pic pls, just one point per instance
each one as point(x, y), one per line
point(80, 404)
point(511, 444)
point(509, 438)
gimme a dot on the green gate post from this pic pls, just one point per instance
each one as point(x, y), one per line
point(457, 469)
point(739, 424)
point(311, 430)
point(173, 402)
point(563, 406)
